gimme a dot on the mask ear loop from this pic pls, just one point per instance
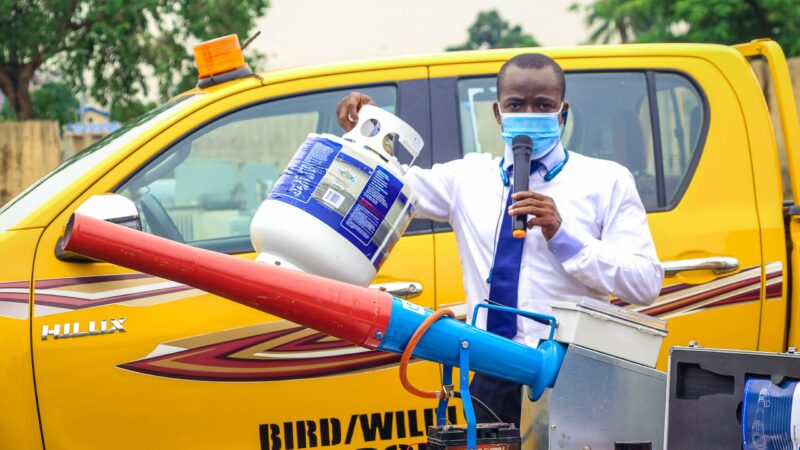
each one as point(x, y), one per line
point(557, 169)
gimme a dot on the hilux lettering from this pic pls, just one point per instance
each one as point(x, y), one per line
point(74, 329)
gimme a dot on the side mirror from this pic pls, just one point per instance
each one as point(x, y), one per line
point(112, 208)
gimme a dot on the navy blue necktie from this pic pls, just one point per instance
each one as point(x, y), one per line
point(504, 278)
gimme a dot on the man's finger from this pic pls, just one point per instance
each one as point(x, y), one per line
point(347, 109)
point(528, 194)
point(352, 111)
point(360, 101)
point(525, 204)
point(341, 114)
point(531, 202)
point(543, 222)
point(537, 212)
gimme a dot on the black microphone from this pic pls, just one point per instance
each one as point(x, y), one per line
point(521, 147)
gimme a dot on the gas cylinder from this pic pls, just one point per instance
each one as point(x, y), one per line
point(341, 203)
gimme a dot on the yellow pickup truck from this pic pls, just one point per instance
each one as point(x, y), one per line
point(97, 356)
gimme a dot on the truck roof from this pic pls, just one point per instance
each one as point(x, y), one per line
point(705, 51)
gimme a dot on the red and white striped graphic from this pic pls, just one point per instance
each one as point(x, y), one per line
point(745, 286)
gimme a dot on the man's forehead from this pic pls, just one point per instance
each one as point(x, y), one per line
point(530, 79)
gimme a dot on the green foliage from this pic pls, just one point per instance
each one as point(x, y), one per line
point(51, 101)
point(6, 113)
point(116, 42)
point(125, 111)
point(715, 21)
point(55, 101)
point(490, 31)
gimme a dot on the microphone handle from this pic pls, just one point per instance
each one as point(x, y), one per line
point(521, 177)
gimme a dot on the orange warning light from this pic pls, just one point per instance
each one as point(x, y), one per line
point(519, 234)
point(218, 56)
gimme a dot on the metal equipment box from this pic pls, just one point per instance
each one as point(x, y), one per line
point(599, 402)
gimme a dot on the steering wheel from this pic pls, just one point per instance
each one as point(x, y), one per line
point(158, 219)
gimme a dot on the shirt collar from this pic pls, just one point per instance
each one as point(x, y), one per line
point(550, 160)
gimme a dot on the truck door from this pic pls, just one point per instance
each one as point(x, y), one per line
point(777, 229)
point(140, 362)
point(679, 130)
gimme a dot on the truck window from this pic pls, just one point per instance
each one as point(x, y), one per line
point(680, 119)
point(609, 118)
point(205, 188)
point(760, 68)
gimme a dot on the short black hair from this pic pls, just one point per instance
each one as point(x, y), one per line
point(533, 61)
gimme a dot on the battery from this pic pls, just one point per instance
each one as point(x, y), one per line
point(491, 436)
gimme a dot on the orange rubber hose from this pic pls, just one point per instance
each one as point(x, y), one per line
point(412, 344)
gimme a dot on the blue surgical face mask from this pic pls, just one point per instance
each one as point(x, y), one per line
point(542, 128)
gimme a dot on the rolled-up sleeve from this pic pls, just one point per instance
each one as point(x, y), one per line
point(623, 261)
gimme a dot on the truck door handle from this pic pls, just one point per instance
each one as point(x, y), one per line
point(718, 264)
point(401, 289)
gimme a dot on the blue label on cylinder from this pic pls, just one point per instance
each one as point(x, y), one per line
point(305, 170)
point(346, 194)
point(770, 415)
point(372, 205)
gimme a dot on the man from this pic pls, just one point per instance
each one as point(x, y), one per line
point(588, 232)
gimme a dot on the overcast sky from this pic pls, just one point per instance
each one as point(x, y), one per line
point(301, 32)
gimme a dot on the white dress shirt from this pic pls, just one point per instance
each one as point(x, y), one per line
point(603, 247)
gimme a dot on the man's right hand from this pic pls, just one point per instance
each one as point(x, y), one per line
point(347, 109)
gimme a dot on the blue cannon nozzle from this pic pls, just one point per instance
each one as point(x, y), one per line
point(490, 354)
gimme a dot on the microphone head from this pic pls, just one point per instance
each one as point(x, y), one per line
point(521, 142)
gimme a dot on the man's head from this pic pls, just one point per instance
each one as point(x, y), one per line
point(530, 82)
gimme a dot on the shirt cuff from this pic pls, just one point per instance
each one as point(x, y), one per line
point(564, 245)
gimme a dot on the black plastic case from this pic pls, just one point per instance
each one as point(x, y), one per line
point(705, 389)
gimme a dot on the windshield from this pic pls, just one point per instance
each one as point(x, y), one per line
point(79, 165)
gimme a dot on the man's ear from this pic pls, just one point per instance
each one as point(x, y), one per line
point(564, 110)
point(497, 117)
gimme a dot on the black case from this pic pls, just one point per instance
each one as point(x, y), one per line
point(705, 393)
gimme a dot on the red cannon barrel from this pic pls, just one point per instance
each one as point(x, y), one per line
point(353, 313)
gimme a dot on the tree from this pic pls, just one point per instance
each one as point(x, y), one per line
point(716, 21)
point(115, 42)
point(490, 31)
point(622, 19)
point(52, 100)
point(55, 101)
point(125, 111)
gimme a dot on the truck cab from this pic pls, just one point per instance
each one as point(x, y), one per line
point(98, 354)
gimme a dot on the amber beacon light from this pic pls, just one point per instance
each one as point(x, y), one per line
point(219, 60)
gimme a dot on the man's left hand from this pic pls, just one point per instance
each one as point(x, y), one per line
point(541, 207)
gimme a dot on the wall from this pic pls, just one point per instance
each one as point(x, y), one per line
point(28, 150)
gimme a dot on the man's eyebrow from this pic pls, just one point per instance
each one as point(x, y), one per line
point(544, 96)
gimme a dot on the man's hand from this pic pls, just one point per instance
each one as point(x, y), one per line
point(541, 207)
point(347, 110)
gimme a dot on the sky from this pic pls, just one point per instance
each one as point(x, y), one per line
point(302, 32)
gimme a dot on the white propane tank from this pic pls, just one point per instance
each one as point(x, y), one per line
point(341, 204)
